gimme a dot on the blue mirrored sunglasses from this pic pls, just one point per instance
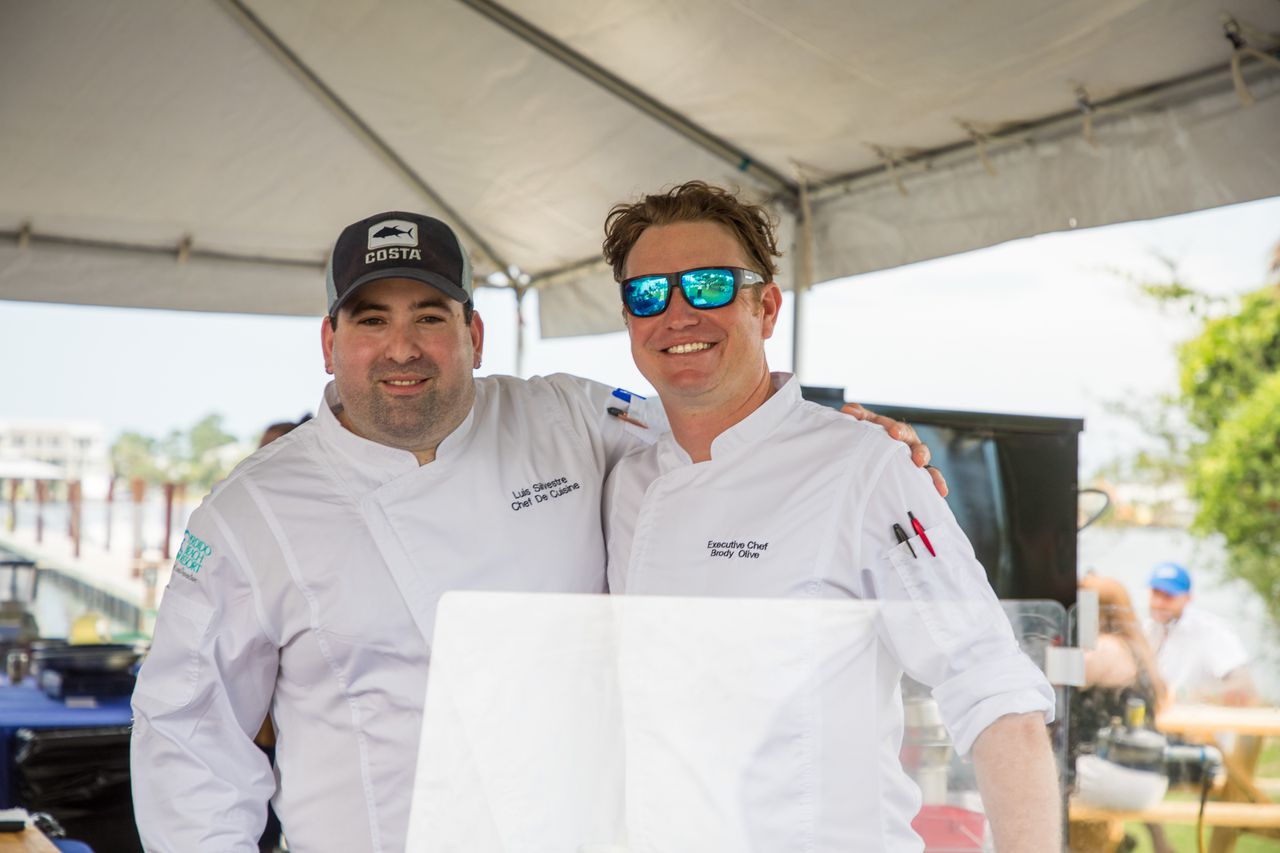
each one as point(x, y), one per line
point(705, 288)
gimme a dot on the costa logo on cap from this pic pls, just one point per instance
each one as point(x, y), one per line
point(397, 244)
point(393, 232)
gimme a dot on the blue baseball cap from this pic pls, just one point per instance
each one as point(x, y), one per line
point(1171, 578)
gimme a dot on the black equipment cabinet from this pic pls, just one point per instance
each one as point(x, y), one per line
point(81, 777)
point(1013, 482)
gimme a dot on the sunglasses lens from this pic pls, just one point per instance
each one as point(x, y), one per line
point(645, 296)
point(708, 288)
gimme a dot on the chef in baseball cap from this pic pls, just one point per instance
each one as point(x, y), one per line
point(398, 245)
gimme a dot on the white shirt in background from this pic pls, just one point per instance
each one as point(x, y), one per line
point(1195, 652)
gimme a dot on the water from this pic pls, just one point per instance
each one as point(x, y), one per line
point(57, 605)
point(56, 608)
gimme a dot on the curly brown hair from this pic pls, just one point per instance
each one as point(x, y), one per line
point(692, 201)
point(1117, 616)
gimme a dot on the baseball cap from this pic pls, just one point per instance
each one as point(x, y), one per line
point(397, 245)
point(1171, 578)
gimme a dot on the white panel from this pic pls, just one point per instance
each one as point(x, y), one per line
point(1087, 618)
point(1210, 152)
point(134, 280)
point(573, 723)
point(584, 304)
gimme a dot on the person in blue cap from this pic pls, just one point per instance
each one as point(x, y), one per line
point(1199, 656)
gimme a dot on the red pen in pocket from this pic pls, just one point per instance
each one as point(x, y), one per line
point(919, 529)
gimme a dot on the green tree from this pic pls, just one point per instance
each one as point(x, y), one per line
point(134, 455)
point(197, 457)
point(1221, 433)
point(1231, 391)
point(207, 457)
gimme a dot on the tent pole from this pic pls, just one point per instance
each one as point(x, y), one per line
point(803, 274)
point(363, 131)
point(796, 331)
point(519, 291)
point(630, 94)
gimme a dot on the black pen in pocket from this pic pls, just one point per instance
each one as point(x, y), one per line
point(901, 536)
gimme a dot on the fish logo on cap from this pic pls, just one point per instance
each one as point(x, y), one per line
point(392, 232)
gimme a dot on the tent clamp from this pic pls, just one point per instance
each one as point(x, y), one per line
point(184, 248)
point(980, 139)
point(24, 235)
point(1087, 109)
point(1233, 31)
point(892, 158)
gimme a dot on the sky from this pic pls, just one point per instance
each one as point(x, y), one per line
point(1044, 325)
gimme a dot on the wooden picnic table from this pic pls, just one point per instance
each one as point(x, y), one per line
point(1250, 727)
point(1243, 804)
point(30, 840)
point(1211, 720)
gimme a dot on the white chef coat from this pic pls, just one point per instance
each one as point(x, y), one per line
point(1194, 653)
point(307, 586)
point(799, 500)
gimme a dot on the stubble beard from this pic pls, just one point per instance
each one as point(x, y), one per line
point(412, 423)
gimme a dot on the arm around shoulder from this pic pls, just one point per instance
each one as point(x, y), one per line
point(624, 420)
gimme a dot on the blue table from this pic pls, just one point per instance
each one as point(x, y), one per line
point(25, 707)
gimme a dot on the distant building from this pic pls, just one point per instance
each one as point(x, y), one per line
point(78, 448)
point(1148, 504)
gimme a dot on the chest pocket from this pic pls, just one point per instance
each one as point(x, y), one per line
point(949, 593)
point(171, 671)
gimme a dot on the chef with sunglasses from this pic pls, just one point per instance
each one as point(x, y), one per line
point(820, 504)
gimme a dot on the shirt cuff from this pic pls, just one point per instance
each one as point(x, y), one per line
point(983, 694)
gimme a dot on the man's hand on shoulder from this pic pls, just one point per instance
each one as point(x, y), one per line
point(905, 433)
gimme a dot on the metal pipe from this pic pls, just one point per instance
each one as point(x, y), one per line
point(615, 85)
point(803, 276)
point(330, 98)
point(520, 290)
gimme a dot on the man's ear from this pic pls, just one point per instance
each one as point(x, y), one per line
point(326, 343)
point(477, 339)
point(770, 307)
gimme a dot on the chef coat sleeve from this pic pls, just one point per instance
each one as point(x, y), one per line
point(940, 617)
point(1227, 651)
point(588, 403)
point(199, 782)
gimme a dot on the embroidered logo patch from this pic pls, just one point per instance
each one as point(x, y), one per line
point(393, 232)
point(191, 555)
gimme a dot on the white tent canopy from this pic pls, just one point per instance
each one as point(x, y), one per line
point(203, 154)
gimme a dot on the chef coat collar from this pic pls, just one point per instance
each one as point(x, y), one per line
point(376, 460)
point(746, 432)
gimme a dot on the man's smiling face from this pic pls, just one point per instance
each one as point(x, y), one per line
point(700, 358)
point(402, 357)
